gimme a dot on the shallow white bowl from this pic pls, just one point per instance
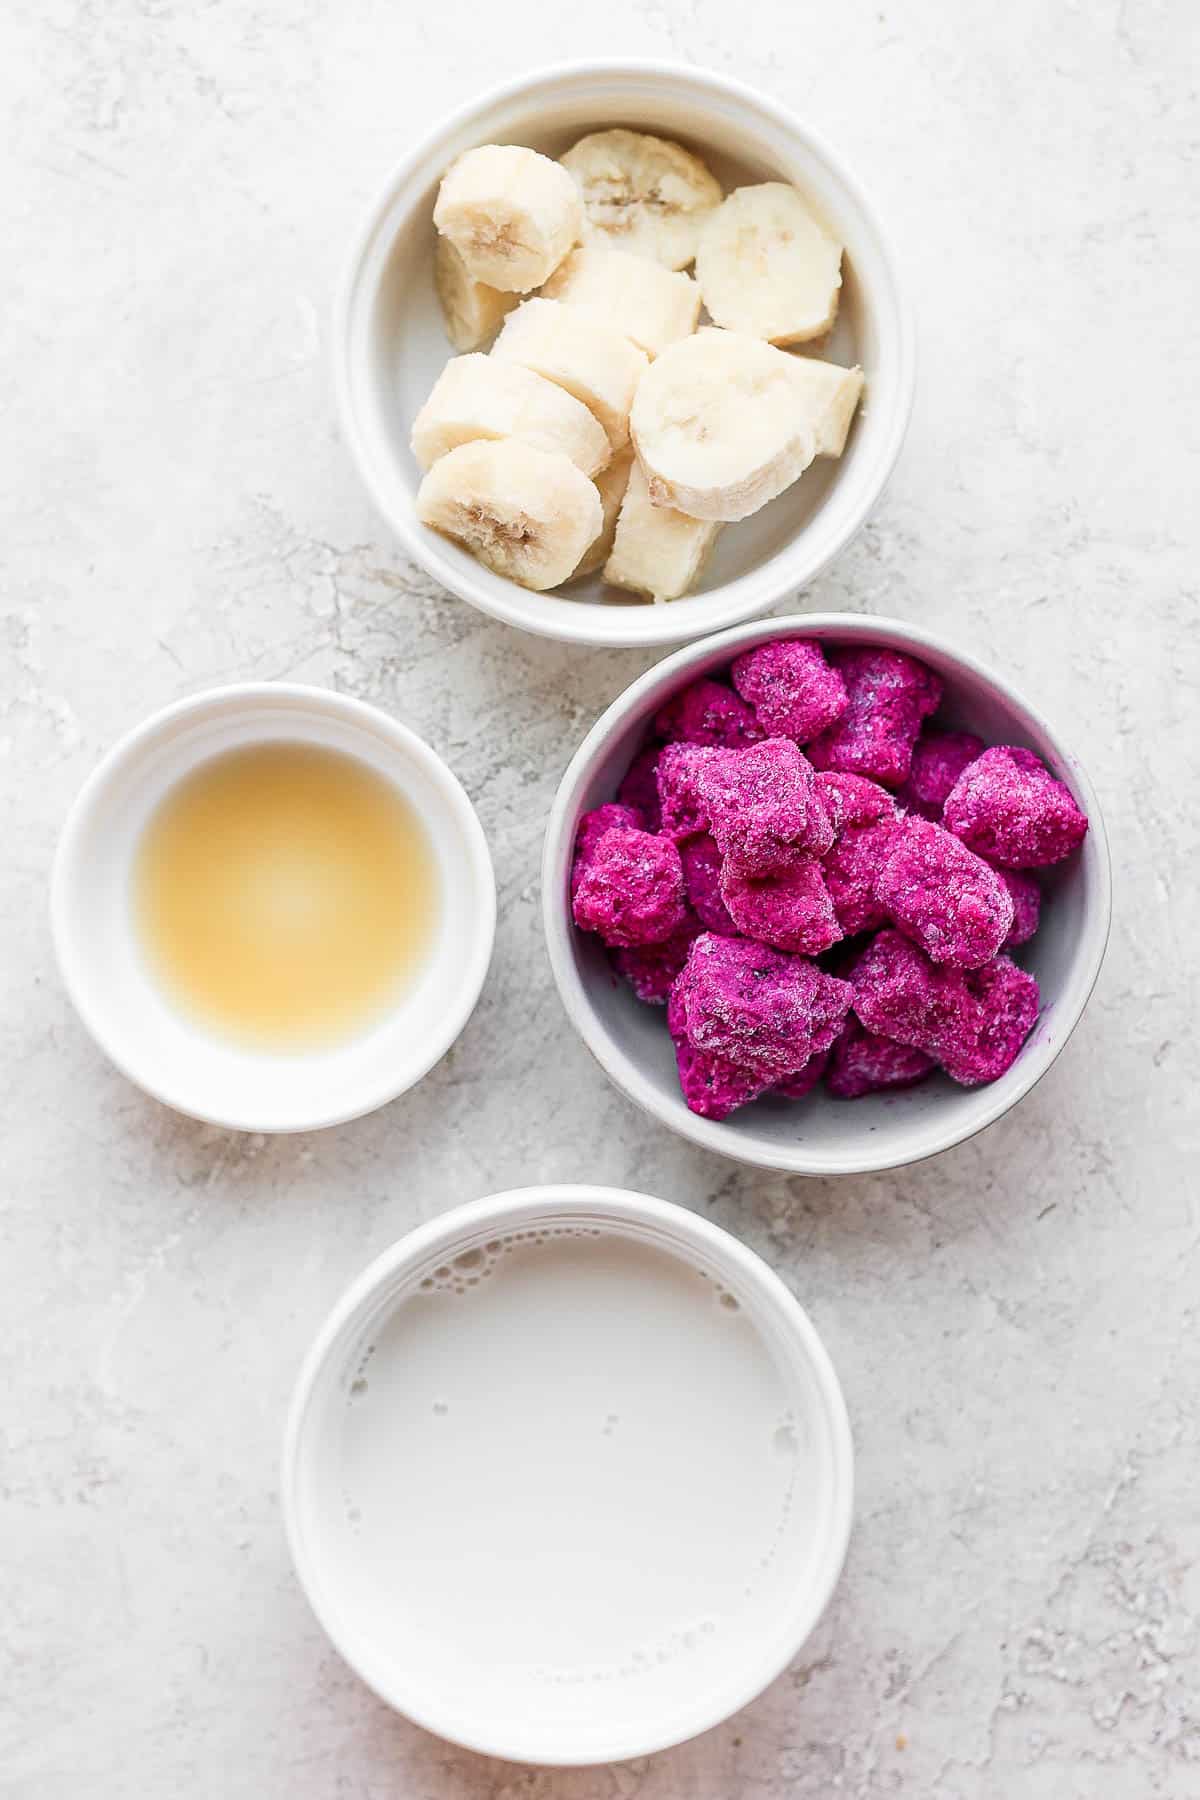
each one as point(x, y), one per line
point(389, 344)
point(107, 976)
point(819, 1135)
point(526, 1494)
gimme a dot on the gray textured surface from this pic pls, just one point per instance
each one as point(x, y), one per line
point(1015, 1322)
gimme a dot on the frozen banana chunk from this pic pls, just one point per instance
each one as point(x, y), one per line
point(525, 514)
point(767, 265)
point(472, 311)
point(716, 425)
point(478, 397)
point(642, 193)
point(650, 305)
point(656, 550)
point(591, 360)
point(830, 395)
point(610, 485)
point(511, 214)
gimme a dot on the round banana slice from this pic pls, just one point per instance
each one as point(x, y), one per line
point(472, 311)
point(511, 214)
point(643, 194)
point(830, 395)
point(651, 305)
point(610, 485)
point(577, 352)
point(766, 265)
point(717, 426)
point(526, 514)
point(656, 550)
point(477, 397)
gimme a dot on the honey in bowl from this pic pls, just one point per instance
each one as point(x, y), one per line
point(285, 895)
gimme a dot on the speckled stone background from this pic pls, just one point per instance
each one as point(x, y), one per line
point(1014, 1323)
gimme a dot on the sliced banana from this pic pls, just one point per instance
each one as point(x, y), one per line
point(610, 485)
point(717, 427)
point(526, 514)
point(589, 359)
point(768, 266)
point(643, 194)
point(511, 214)
point(656, 550)
point(472, 310)
point(477, 397)
point(830, 395)
point(651, 305)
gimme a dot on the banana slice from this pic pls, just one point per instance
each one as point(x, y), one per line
point(766, 265)
point(717, 427)
point(526, 514)
point(610, 485)
point(830, 395)
point(472, 311)
point(643, 194)
point(651, 305)
point(511, 214)
point(477, 397)
point(656, 550)
point(594, 363)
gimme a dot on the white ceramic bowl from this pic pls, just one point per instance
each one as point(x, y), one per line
point(106, 973)
point(821, 1136)
point(389, 344)
point(488, 1496)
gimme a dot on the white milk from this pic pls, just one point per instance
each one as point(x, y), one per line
point(569, 1456)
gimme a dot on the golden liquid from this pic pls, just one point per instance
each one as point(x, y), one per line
point(285, 894)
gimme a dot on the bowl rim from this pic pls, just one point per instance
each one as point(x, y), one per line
point(624, 1072)
point(621, 1205)
point(750, 594)
point(68, 867)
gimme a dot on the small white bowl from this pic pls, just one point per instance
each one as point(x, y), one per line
point(389, 344)
point(106, 973)
point(535, 1517)
point(819, 1135)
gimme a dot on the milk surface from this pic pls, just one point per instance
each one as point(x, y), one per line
point(568, 1454)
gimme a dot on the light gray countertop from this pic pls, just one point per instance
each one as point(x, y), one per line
point(1015, 1322)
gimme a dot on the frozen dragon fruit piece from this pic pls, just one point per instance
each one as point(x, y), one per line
point(683, 811)
point(1006, 999)
point(793, 690)
point(712, 1087)
point(711, 714)
point(1007, 806)
point(761, 805)
point(702, 883)
point(888, 695)
point(790, 908)
point(639, 786)
point(862, 1063)
point(943, 896)
point(757, 1008)
point(938, 759)
point(972, 1021)
point(864, 817)
point(1026, 897)
point(630, 890)
point(900, 994)
point(592, 828)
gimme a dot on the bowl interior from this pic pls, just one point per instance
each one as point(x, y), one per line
point(568, 1476)
point(173, 1056)
point(393, 346)
point(821, 1135)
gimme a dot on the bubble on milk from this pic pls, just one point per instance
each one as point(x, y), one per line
point(470, 1268)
